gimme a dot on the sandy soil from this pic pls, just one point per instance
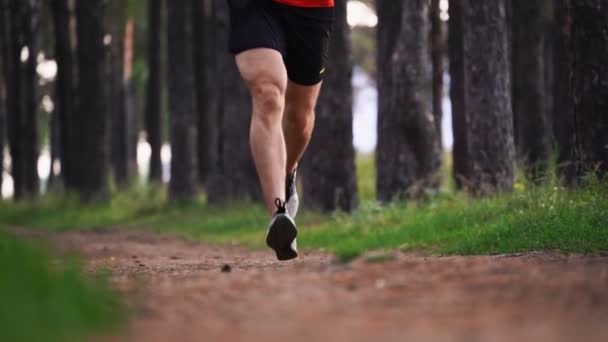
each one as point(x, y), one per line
point(185, 291)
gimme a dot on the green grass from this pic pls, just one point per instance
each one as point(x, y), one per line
point(366, 177)
point(532, 217)
point(44, 300)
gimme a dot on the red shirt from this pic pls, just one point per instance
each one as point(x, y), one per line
point(307, 3)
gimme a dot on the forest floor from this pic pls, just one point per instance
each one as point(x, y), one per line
point(180, 290)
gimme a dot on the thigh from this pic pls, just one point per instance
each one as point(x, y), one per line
point(261, 66)
point(300, 98)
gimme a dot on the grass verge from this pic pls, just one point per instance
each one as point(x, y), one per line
point(43, 300)
point(546, 217)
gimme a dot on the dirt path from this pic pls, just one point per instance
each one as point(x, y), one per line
point(180, 293)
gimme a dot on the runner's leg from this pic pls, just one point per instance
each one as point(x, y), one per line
point(264, 73)
point(299, 120)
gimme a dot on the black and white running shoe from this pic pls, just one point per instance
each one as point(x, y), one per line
point(282, 233)
point(292, 201)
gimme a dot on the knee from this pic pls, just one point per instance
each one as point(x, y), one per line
point(268, 99)
point(301, 115)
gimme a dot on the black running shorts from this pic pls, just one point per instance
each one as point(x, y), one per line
point(300, 34)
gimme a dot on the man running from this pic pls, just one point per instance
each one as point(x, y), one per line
point(281, 48)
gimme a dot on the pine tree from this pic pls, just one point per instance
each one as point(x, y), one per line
point(532, 131)
point(408, 151)
point(65, 102)
point(205, 64)
point(154, 103)
point(90, 148)
point(486, 97)
point(581, 88)
point(180, 80)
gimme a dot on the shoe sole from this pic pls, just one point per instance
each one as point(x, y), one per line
point(281, 234)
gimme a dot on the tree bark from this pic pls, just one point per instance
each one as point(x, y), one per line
point(120, 110)
point(581, 88)
point(91, 144)
point(205, 66)
point(438, 57)
point(550, 30)
point(132, 98)
point(65, 103)
point(12, 79)
point(15, 95)
point(154, 103)
point(329, 176)
point(457, 86)
point(532, 131)
point(116, 91)
point(181, 101)
point(233, 176)
point(408, 152)
point(28, 135)
point(487, 97)
point(23, 101)
point(4, 21)
point(2, 104)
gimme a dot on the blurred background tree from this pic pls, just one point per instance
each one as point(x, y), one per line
point(581, 88)
point(20, 47)
point(154, 94)
point(180, 80)
point(408, 153)
point(486, 95)
point(91, 140)
point(531, 116)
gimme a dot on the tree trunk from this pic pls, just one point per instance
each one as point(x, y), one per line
point(205, 66)
point(12, 76)
point(532, 132)
point(550, 30)
point(65, 87)
point(4, 58)
point(154, 103)
point(408, 152)
point(438, 57)
point(91, 144)
point(459, 119)
point(329, 176)
point(581, 93)
point(394, 158)
point(132, 123)
point(2, 99)
point(181, 101)
point(29, 138)
point(233, 176)
point(487, 97)
point(119, 121)
point(23, 101)
point(116, 92)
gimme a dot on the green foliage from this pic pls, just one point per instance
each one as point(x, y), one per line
point(364, 49)
point(43, 300)
point(543, 217)
point(366, 177)
point(533, 217)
